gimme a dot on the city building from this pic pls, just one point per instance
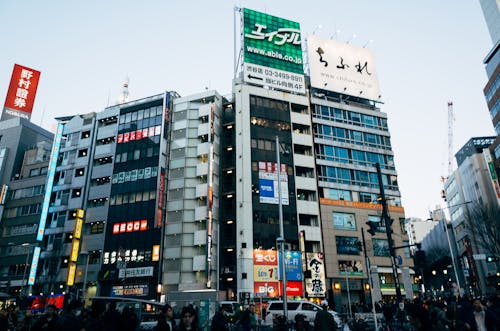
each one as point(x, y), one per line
point(24, 155)
point(191, 237)
point(470, 193)
point(417, 229)
point(491, 10)
point(351, 137)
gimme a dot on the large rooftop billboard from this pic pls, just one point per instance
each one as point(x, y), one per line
point(272, 51)
point(21, 93)
point(339, 67)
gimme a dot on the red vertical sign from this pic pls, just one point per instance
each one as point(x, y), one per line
point(21, 93)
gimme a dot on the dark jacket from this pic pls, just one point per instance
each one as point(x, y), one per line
point(69, 322)
point(324, 321)
point(219, 322)
point(162, 324)
point(44, 324)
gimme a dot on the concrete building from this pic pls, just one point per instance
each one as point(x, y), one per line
point(469, 189)
point(24, 155)
point(491, 10)
point(417, 229)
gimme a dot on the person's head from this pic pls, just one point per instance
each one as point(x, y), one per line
point(112, 305)
point(51, 310)
point(324, 304)
point(98, 308)
point(187, 315)
point(251, 307)
point(167, 311)
point(477, 305)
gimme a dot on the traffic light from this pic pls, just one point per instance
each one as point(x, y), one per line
point(373, 227)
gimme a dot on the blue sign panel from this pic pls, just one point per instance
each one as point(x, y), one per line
point(34, 266)
point(266, 188)
point(293, 265)
point(50, 181)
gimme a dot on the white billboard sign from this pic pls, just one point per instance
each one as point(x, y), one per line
point(275, 78)
point(342, 68)
point(268, 183)
point(135, 272)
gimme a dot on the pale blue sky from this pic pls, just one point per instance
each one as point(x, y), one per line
point(427, 52)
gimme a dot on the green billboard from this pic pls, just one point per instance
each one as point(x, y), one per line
point(272, 41)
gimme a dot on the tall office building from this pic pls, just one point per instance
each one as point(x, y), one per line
point(469, 190)
point(74, 210)
point(491, 10)
point(351, 136)
point(191, 237)
point(24, 154)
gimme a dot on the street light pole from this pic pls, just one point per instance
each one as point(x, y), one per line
point(25, 281)
point(282, 232)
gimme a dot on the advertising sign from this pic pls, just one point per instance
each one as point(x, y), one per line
point(135, 272)
point(339, 67)
point(265, 271)
point(70, 279)
point(316, 285)
point(293, 288)
point(272, 52)
point(344, 221)
point(268, 183)
point(266, 289)
point(131, 290)
point(350, 268)
point(347, 245)
point(50, 181)
point(493, 174)
point(156, 253)
point(34, 266)
point(293, 265)
point(21, 93)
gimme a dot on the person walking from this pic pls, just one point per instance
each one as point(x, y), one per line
point(71, 319)
point(47, 322)
point(165, 319)
point(220, 321)
point(324, 321)
point(188, 318)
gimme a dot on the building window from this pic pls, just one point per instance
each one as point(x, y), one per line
point(76, 193)
point(34, 172)
point(82, 152)
point(85, 134)
point(97, 227)
point(347, 245)
point(380, 247)
point(79, 172)
point(344, 221)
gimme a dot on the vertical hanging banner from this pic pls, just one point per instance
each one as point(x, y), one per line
point(272, 49)
point(493, 173)
point(34, 266)
point(316, 285)
point(265, 272)
point(50, 181)
point(21, 93)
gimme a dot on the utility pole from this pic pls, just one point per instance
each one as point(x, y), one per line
point(282, 232)
point(388, 231)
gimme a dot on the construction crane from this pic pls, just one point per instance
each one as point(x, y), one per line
point(450, 146)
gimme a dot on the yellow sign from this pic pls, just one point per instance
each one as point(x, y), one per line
point(70, 280)
point(156, 253)
point(75, 245)
point(80, 213)
point(265, 273)
point(77, 232)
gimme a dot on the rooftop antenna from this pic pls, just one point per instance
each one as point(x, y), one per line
point(352, 38)
point(124, 95)
point(335, 34)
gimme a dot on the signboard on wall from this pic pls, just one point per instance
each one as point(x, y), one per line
point(272, 51)
point(339, 67)
point(265, 271)
point(21, 93)
point(316, 285)
point(268, 183)
point(350, 268)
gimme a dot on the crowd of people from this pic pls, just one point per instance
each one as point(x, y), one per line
point(464, 314)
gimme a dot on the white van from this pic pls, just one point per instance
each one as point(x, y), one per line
point(306, 308)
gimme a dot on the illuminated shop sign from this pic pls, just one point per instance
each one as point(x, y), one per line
point(34, 266)
point(138, 134)
point(136, 272)
point(156, 253)
point(316, 285)
point(133, 175)
point(130, 290)
point(50, 181)
point(132, 226)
